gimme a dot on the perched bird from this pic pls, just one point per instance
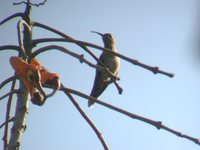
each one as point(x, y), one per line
point(102, 79)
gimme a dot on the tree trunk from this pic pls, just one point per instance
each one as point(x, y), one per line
point(19, 124)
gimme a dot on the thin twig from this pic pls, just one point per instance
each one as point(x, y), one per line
point(6, 122)
point(5, 137)
point(62, 49)
point(157, 124)
point(10, 47)
point(120, 90)
point(9, 93)
point(13, 47)
point(99, 135)
point(32, 4)
point(155, 70)
point(7, 81)
point(11, 17)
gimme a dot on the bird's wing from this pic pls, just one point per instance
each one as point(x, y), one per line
point(100, 84)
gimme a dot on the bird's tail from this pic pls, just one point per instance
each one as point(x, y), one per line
point(90, 103)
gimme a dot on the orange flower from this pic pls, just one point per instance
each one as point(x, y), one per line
point(34, 75)
point(48, 78)
point(29, 74)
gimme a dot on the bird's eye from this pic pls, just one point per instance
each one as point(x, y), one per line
point(109, 35)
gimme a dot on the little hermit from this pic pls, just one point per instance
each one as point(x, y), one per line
point(102, 79)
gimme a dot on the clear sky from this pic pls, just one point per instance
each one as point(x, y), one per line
point(156, 32)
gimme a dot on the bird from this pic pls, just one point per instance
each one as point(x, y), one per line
point(103, 79)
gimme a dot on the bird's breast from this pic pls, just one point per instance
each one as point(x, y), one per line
point(113, 63)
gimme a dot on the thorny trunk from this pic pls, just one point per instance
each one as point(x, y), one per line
point(19, 124)
point(22, 105)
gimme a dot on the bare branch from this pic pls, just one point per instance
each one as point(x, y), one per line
point(99, 135)
point(10, 47)
point(9, 93)
point(13, 47)
point(7, 81)
point(32, 4)
point(157, 124)
point(179, 134)
point(5, 137)
point(155, 70)
point(6, 122)
point(119, 88)
point(11, 17)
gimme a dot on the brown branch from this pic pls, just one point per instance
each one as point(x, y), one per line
point(13, 47)
point(10, 47)
point(179, 134)
point(9, 93)
point(155, 70)
point(11, 17)
point(99, 135)
point(32, 4)
point(7, 81)
point(157, 124)
point(5, 137)
point(6, 122)
point(119, 88)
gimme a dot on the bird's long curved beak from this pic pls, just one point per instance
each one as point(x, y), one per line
point(97, 33)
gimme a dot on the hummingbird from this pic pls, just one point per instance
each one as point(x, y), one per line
point(102, 79)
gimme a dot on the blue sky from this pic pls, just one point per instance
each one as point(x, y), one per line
point(157, 32)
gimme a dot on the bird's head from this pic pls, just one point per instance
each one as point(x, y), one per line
point(108, 39)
